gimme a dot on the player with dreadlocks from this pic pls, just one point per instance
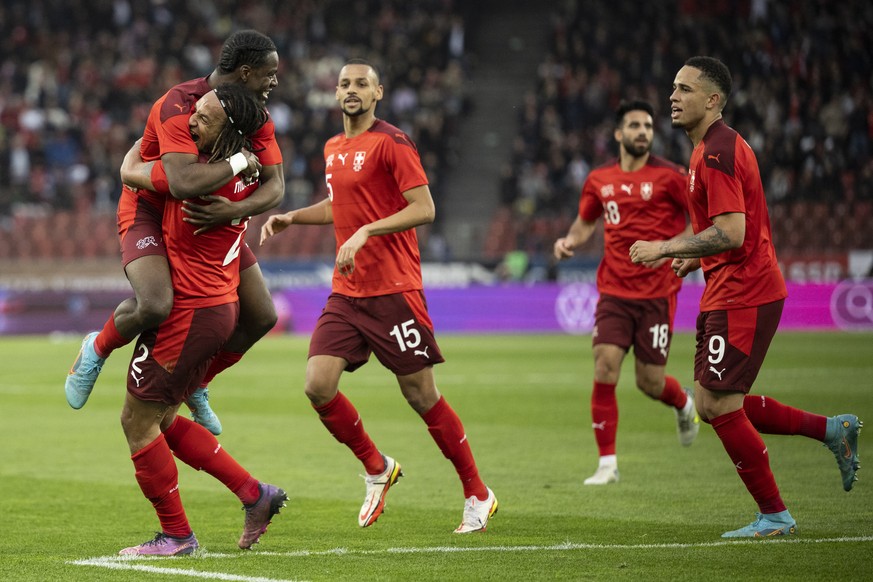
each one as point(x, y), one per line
point(170, 360)
point(249, 59)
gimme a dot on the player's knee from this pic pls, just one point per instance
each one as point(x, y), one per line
point(259, 322)
point(319, 393)
point(154, 310)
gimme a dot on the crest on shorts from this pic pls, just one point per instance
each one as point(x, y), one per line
point(145, 242)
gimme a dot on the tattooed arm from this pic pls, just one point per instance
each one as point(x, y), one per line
point(726, 233)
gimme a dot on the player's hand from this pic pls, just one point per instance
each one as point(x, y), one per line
point(276, 224)
point(218, 210)
point(345, 256)
point(684, 266)
point(253, 171)
point(645, 251)
point(562, 249)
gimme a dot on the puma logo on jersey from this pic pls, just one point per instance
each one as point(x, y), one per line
point(342, 158)
point(628, 188)
point(181, 107)
point(717, 372)
point(422, 352)
point(714, 157)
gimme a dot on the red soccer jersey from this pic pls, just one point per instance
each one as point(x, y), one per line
point(643, 205)
point(166, 130)
point(725, 178)
point(204, 267)
point(366, 177)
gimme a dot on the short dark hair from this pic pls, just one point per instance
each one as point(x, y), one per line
point(245, 47)
point(714, 71)
point(245, 116)
point(359, 61)
point(626, 107)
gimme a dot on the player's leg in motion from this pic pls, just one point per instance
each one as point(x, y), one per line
point(838, 433)
point(342, 420)
point(747, 451)
point(652, 380)
point(604, 411)
point(256, 318)
point(149, 276)
point(447, 431)
point(158, 477)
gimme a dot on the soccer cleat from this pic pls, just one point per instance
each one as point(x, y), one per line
point(842, 440)
point(84, 372)
point(377, 490)
point(163, 545)
point(259, 514)
point(477, 513)
point(687, 421)
point(202, 413)
point(603, 476)
point(767, 525)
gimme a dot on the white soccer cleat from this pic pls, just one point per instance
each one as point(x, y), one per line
point(604, 475)
point(477, 513)
point(377, 490)
point(687, 421)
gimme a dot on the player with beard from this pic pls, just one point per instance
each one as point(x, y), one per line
point(377, 194)
point(636, 195)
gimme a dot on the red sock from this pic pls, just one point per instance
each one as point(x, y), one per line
point(344, 423)
point(604, 417)
point(673, 394)
point(197, 447)
point(749, 454)
point(447, 431)
point(158, 478)
point(770, 416)
point(222, 361)
point(109, 339)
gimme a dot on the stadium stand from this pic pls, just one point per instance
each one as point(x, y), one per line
point(802, 98)
point(77, 78)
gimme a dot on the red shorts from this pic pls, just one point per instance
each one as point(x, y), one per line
point(170, 362)
point(395, 327)
point(645, 324)
point(139, 229)
point(731, 345)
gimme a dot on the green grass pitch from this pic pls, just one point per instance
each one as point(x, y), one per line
point(69, 501)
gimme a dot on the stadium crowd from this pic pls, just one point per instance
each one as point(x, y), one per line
point(802, 98)
point(77, 79)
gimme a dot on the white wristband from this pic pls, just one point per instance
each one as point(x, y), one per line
point(238, 162)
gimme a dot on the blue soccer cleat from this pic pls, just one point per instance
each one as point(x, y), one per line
point(83, 374)
point(767, 525)
point(202, 413)
point(842, 440)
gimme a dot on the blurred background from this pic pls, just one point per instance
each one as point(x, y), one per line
point(510, 103)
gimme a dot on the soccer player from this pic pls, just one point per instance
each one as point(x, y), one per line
point(637, 194)
point(250, 59)
point(377, 194)
point(743, 299)
point(170, 360)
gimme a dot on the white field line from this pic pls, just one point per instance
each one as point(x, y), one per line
point(127, 562)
